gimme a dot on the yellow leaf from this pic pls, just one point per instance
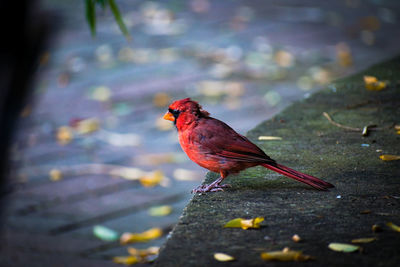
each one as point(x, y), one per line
point(389, 157)
point(269, 138)
point(64, 135)
point(87, 126)
point(223, 257)
point(143, 253)
point(393, 226)
point(152, 179)
point(244, 224)
point(160, 210)
point(372, 83)
point(363, 240)
point(341, 247)
point(146, 236)
point(101, 93)
point(55, 175)
point(285, 255)
point(127, 260)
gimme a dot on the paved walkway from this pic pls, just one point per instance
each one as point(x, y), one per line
point(244, 62)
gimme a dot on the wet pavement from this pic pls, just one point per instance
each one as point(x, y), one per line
point(94, 137)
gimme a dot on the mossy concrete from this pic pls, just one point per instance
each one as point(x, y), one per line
point(367, 189)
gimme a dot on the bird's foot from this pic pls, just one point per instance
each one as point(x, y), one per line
point(213, 187)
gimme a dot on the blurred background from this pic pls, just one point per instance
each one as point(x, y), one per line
point(92, 157)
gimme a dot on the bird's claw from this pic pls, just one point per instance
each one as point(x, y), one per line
point(210, 188)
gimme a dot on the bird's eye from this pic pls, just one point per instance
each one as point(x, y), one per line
point(174, 112)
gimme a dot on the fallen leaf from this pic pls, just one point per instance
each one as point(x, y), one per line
point(146, 236)
point(55, 175)
point(223, 257)
point(284, 59)
point(285, 255)
point(87, 126)
point(343, 55)
point(160, 210)
point(152, 179)
point(269, 138)
point(376, 228)
point(341, 247)
point(101, 93)
point(161, 100)
point(373, 84)
point(105, 233)
point(365, 212)
point(244, 224)
point(296, 238)
point(127, 173)
point(389, 157)
point(143, 253)
point(127, 260)
point(363, 240)
point(393, 226)
point(64, 135)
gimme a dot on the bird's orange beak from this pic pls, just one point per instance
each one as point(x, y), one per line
point(168, 116)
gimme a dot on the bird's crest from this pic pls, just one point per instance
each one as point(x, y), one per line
point(187, 104)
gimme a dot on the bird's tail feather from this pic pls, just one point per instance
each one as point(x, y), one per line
point(299, 176)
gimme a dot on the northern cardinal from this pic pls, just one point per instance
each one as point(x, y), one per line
point(217, 147)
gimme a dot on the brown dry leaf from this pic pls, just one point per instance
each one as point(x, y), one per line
point(363, 240)
point(285, 255)
point(296, 238)
point(389, 157)
point(376, 228)
point(244, 224)
point(64, 135)
point(161, 100)
point(126, 260)
point(393, 226)
point(373, 84)
point(284, 59)
point(55, 175)
point(343, 55)
point(146, 236)
point(223, 257)
point(152, 179)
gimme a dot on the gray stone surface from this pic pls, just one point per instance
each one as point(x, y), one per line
point(366, 188)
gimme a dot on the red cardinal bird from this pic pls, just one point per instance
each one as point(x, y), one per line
point(217, 147)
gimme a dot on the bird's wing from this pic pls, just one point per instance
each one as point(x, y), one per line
point(214, 137)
